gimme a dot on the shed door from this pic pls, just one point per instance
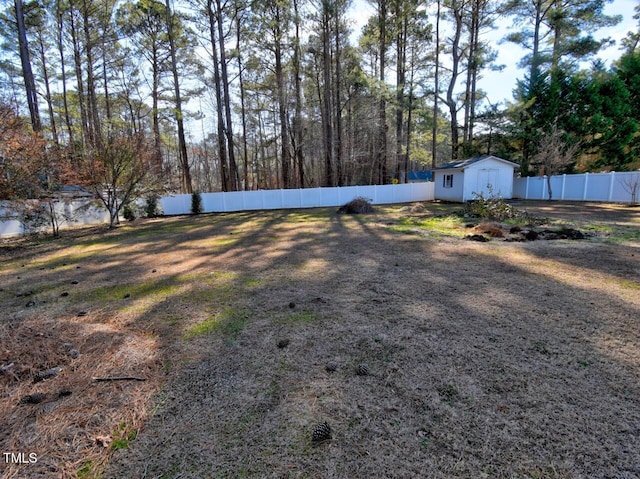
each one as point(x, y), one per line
point(487, 182)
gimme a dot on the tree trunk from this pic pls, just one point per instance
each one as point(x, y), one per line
point(182, 144)
point(242, 104)
point(95, 130)
point(84, 117)
point(326, 100)
point(382, 107)
point(282, 107)
point(456, 55)
point(297, 123)
point(65, 99)
point(338, 105)
point(434, 128)
point(233, 168)
point(401, 49)
point(27, 73)
point(222, 144)
point(45, 75)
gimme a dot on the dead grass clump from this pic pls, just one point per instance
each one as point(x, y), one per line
point(356, 206)
point(492, 229)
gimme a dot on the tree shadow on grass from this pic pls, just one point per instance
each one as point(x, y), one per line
point(479, 364)
point(472, 373)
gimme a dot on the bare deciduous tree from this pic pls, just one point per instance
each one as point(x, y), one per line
point(554, 154)
point(121, 171)
point(631, 184)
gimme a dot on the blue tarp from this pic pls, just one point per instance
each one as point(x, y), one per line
point(420, 175)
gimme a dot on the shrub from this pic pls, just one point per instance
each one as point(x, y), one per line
point(128, 212)
point(491, 207)
point(196, 203)
point(151, 206)
point(357, 206)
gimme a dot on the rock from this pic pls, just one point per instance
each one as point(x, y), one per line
point(82, 313)
point(531, 235)
point(331, 366)
point(515, 229)
point(64, 393)
point(75, 282)
point(292, 305)
point(126, 296)
point(363, 370)
point(283, 343)
point(30, 304)
point(64, 294)
point(74, 353)
point(67, 346)
point(154, 270)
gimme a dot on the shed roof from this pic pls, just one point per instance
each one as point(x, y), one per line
point(462, 164)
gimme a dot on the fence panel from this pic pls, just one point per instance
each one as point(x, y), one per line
point(68, 213)
point(624, 184)
point(615, 187)
point(574, 187)
point(8, 226)
point(299, 198)
point(598, 187)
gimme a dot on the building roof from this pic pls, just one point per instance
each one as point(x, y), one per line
point(462, 164)
point(424, 175)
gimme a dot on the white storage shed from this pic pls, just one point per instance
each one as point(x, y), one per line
point(460, 180)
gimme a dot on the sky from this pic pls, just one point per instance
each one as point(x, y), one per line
point(499, 86)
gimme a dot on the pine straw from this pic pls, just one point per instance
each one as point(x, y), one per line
point(492, 229)
point(69, 432)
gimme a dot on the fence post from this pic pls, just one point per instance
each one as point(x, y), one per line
point(586, 185)
point(526, 187)
point(544, 186)
point(613, 174)
point(564, 180)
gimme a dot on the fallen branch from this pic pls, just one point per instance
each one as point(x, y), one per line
point(119, 378)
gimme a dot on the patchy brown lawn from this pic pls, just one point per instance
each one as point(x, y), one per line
point(497, 359)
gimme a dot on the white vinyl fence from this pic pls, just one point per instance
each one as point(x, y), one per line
point(610, 187)
point(299, 198)
point(77, 212)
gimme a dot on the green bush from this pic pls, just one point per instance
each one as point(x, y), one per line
point(128, 212)
point(151, 206)
point(196, 203)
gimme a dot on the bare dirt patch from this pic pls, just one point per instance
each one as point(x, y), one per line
point(494, 359)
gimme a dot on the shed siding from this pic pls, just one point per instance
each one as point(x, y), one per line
point(489, 171)
point(449, 194)
point(474, 176)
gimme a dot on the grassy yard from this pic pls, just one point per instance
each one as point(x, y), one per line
point(210, 346)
